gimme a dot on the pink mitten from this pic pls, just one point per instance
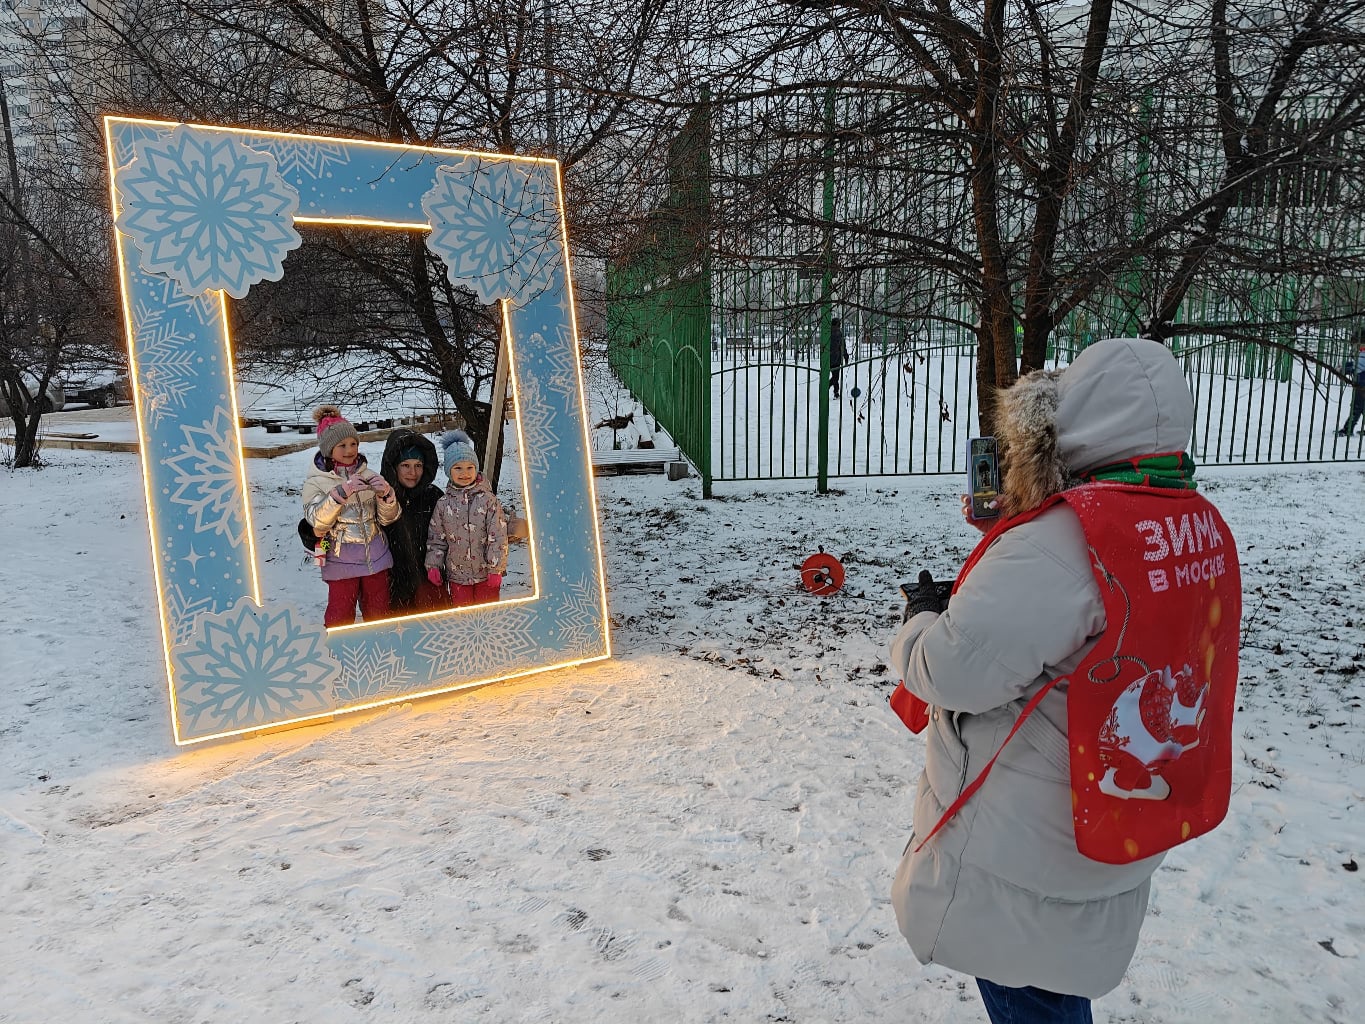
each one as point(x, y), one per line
point(434, 575)
point(495, 579)
point(342, 491)
point(381, 487)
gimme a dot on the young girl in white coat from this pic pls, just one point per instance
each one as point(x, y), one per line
point(347, 503)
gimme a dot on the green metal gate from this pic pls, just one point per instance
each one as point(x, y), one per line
point(719, 314)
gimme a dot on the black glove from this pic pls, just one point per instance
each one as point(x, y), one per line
point(925, 597)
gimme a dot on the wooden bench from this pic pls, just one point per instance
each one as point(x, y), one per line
point(640, 460)
point(275, 425)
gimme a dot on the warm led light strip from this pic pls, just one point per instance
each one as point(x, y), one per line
point(583, 404)
point(471, 684)
point(329, 140)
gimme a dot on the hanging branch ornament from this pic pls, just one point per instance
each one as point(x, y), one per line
point(207, 211)
point(495, 224)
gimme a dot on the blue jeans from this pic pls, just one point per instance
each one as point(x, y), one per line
point(1032, 1005)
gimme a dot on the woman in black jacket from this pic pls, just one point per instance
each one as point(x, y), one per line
point(410, 465)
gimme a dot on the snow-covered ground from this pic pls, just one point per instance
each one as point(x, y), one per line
point(702, 829)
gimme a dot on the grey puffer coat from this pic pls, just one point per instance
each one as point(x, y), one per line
point(1001, 892)
point(467, 538)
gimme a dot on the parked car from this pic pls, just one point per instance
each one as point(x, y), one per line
point(100, 386)
point(53, 398)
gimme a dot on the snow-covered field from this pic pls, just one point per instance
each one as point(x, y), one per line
point(702, 829)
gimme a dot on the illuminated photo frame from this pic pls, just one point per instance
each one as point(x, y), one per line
point(203, 213)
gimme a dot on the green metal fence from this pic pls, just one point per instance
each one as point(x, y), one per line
point(659, 301)
point(659, 326)
point(719, 317)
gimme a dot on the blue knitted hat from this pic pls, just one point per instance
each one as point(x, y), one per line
point(458, 448)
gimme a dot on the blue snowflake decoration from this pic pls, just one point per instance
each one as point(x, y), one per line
point(251, 666)
point(496, 226)
point(203, 213)
point(207, 211)
point(208, 480)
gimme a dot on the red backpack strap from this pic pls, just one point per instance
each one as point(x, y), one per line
point(972, 559)
point(975, 784)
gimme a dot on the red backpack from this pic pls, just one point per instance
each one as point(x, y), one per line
point(1149, 711)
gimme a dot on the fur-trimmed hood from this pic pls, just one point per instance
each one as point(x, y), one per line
point(1121, 398)
point(402, 440)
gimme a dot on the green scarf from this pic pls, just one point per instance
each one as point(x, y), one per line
point(1174, 471)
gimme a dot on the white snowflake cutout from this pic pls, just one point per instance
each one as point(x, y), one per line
point(563, 376)
point(182, 613)
point(495, 223)
point(579, 619)
point(308, 157)
point(536, 426)
point(208, 480)
point(373, 670)
point(479, 641)
point(253, 665)
point(207, 211)
point(166, 363)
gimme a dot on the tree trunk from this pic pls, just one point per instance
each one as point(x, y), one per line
point(996, 367)
point(23, 415)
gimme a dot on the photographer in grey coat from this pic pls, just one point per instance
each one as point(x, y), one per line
point(1001, 892)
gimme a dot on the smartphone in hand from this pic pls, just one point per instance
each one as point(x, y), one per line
point(983, 478)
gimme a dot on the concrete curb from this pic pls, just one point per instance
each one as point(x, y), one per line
point(249, 451)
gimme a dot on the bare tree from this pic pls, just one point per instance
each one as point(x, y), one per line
point(1043, 159)
point(514, 76)
point(1035, 160)
point(54, 286)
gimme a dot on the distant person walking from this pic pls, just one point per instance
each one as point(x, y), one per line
point(838, 354)
point(1355, 369)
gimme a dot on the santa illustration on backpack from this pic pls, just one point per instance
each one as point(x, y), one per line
point(1154, 720)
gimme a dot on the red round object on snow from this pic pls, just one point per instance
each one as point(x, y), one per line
point(822, 574)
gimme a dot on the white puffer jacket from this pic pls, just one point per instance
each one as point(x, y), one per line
point(1001, 892)
point(357, 519)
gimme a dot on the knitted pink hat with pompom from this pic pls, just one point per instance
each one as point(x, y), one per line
point(333, 428)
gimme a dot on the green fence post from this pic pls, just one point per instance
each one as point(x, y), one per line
point(826, 286)
point(703, 453)
point(1289, 305)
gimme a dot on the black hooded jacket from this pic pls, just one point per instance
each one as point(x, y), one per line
point(408, 534)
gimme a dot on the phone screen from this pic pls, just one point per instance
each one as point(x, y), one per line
point(983, 477)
